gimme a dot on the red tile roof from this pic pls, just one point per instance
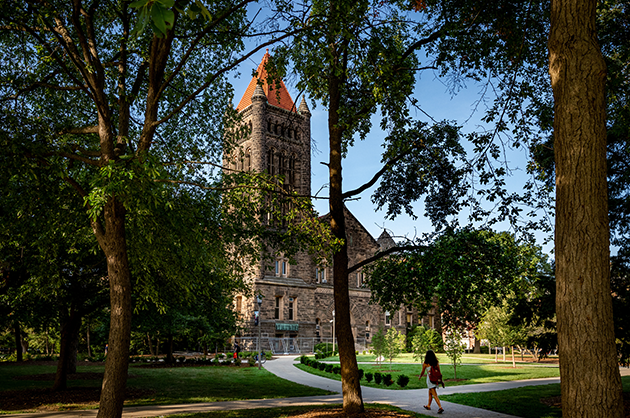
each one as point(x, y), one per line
point(282, 100)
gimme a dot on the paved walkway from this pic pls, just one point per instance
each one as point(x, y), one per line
point(411, 400)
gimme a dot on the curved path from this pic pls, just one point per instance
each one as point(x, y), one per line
point(411, 400)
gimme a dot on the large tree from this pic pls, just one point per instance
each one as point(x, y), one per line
point(583, 301)
point(360, 59)
point(131, 120)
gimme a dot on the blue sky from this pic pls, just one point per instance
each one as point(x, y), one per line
point(363, 160)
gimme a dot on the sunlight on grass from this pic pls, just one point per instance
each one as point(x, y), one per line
point(466, 374)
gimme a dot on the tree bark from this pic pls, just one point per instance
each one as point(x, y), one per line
point(151, 351)
point(351, 386)
point(114, 245)
point(477, 349)
point(589, 373)
point(67, 363)
point(17, 332)
point(169, 352)
point(89, 348)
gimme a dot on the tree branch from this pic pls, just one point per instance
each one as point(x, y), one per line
point(80, 131)
point(376, 176)
point(382, 254)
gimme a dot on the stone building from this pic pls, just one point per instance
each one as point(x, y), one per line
point(297, 308)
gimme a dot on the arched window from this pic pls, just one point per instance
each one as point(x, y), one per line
point(248, 160)
point(281, 164)
point(272, 168)
point(291, 171)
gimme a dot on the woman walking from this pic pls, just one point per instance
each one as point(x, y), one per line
point(434, 378)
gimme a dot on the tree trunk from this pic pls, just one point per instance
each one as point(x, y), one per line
point(114, 245)
point(477, 349)
point(87, 336)
point(169, 352)
point(589, 373)
point(351, 386)
point(17, 332)
point(513, 359)
point(150, 344)
point(67, 363)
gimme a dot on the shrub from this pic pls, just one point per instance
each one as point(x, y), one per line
point(303, 359)
point(369, 376)
point(321, 366)
point(337, 369)
point(329, 368)
point(360, 374)
point(323, 347)
point(387, 379)
point(378, 378)
point(402, 380)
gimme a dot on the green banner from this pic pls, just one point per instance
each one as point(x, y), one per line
point(287, 327)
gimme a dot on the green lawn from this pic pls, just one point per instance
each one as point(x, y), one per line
point(284, 412)
point(522, 402)
point(174, 385)
point(470, 374)
point(466, 359)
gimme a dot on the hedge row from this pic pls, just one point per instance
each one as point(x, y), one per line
point(401, 380)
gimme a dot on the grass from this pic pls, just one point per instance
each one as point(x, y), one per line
point(470, 374)
point(466, 359)
point(175, 385)
point(287, 411)
point(522, 402)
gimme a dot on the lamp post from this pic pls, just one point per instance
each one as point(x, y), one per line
point(333, 321)
point(259, 302)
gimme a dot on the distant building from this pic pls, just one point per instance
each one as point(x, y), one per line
point(297, 309)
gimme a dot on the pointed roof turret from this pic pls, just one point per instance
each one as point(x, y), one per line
point(304, 107)
point(386, 241)
point(278, 97)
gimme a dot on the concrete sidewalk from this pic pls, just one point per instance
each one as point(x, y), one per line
point(410, 400)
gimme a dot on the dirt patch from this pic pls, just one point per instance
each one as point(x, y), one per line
point(47, 400)
point(556, 401)
point(338, 413)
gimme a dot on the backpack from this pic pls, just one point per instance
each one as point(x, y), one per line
point(435, 376)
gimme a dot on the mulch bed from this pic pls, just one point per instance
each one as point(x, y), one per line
point(338, 413)
point(556, 401)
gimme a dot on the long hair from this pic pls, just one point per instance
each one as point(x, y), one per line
point(431, 359)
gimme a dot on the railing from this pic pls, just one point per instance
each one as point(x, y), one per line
point(298, 345)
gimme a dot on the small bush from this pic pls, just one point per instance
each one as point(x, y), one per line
point(402, 380)
point(303, 359)
point(329, 368)
point(337, 369)
point(369, 376)
point(387, 379)
point(321, 366)
point(378, 378)
point(360, 374)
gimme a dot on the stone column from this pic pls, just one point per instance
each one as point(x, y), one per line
point(259, 130)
